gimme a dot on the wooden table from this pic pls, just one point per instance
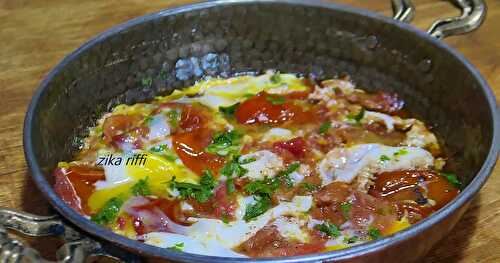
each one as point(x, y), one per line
point(36, 34)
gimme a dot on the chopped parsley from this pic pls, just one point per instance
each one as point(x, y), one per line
point(148, 119)
point(108, 212)
point(284, 176)
point(329, 229)
point(262, 204)
point(452, 179)
point(374, 233)
point(310, 187)
point(357, 117)
point(384, 158)
point(325, 127)
point(276, 100)
point(275, 78)
point(147, 81)
point(351, 240)
point(225, 143)
point(141, 188)
point(400, 152)
point(177, 246)
point(247, 160)
point(234, 168)
point(174, 117)
point(346, 209)
point(200, 192)
point(229, 110)
point(262, 187)
point(164, 151)
point(230, 185)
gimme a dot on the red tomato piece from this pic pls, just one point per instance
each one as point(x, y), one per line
point(75, 185)
point(66, 191)
point(296, 146)
point(192, 118)
point(221, 205)
point(270, 109)
point(190, 147)
point(404, 186)
point(119, 124)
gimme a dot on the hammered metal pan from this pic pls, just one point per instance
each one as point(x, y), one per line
point(175, 47)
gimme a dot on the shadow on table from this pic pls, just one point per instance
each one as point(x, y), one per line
point(452, 247)
point(32, 201)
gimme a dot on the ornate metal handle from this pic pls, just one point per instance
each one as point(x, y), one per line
point(77, 248)
point(473, 13)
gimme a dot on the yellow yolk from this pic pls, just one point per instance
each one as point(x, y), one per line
point(397, 226)
point(225, 92)
point(158, 171)
point(336, 247)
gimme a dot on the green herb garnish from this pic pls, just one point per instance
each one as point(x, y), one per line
point(284, 176)
point(346, 209)
point(400, 152)
point(141, 188)
point(325, 127)
point(357, 117)
point(329, 229)
point(229, 110)
point(147, 81)
point(164, 151)
point(200, 192)
point(230, 185)
point(262, 187)
point(384, 158)
point(275, 78)
point(309, 186)
point(276, 100)
point(225, 143)
point(178, 246)
point(108, 212)
point(234, 168)
point(174, 117)
point(351, 240)
point(452, 179)
point(263, 203)
point(374, 233)
point(148, 119)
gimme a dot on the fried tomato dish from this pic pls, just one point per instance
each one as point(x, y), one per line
point(259, 166)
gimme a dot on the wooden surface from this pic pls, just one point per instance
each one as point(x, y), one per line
point(36, 34)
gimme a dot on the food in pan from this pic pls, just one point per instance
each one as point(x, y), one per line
point(259, 166)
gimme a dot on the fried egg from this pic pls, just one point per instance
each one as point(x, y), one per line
point(345, 164)
point(119, 178)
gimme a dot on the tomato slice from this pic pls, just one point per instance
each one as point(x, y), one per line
point(296, 146)
point(118, 124)
point(75, 185)
point(406, 188)
point(265, 108)
point(65, 190)
point(192, 118)
point(190, 147)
